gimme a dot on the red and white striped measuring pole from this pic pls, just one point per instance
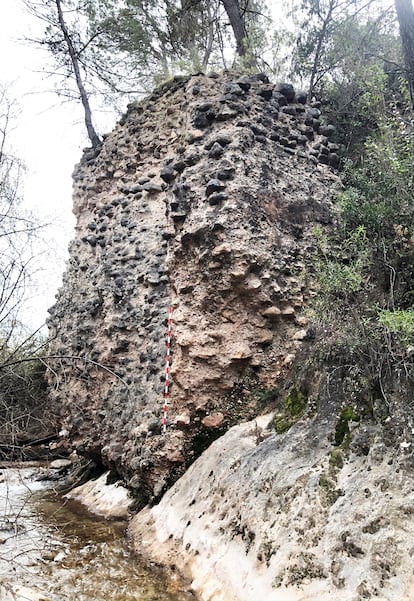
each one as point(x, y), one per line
point(167, 370)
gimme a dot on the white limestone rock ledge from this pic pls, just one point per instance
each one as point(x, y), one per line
point(111, 501)
point(287, 518)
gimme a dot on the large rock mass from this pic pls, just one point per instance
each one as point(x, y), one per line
point(289, 518)
point(203, 198)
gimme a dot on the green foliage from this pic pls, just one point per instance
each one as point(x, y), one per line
point(400, 323)
point(380, 189)
point(336, 459)
point(328, 479)
point(341, 266)
point(22, 370)
point(265, 396)
point(262, 43)
point(328, 490)
point(23, 396)
point(359, 83)
point(369, 261)
point(342, 431)
point(148, 42)
point(293, 407)
point(338, 43)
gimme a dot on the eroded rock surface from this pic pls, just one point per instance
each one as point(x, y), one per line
point(205, 198)
point(289, 518)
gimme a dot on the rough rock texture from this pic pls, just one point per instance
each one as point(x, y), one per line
point(289, 518)
point(107, 500)
point(204, 197)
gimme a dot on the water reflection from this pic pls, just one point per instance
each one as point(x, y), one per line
point(63, 553)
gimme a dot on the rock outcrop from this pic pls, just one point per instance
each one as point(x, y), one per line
point(289, 518)
point(203, 198)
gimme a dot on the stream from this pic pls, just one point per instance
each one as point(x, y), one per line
point(52, 549)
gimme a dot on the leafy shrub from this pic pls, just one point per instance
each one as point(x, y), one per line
point(340, 265)
point(380, 189)
point(400, 323)
point(293, 407)
point(24, 414)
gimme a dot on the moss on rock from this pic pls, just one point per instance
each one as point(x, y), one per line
point(293, 407)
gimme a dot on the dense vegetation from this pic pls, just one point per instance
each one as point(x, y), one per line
point(22, 386)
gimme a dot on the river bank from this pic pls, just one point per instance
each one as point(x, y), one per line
point(53, 548)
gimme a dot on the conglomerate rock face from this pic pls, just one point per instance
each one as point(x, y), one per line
point(203, 198)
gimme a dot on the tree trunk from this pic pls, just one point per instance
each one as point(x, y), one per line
point(210, 37)
point(232, 8)
point(319, 47)
point(93, 136)
point(405, 15)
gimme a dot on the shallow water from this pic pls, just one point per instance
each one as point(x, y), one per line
point(58, 551)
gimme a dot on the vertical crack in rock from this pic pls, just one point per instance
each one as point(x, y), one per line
point(204, 197)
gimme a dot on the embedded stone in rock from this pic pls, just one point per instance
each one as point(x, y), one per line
point(176, 457)
point(287, 90)
point(179, 165)
point(301, 97)
point(264, 336)
point(227, 113)
point(278, 99)
point(233, 89)
point(316, 123)
point(272, 312)
point(216, 151)
point(289, 110)
point(167, 173)
point(258, 130)
point(266, 92)
point(153, 278)
point(214, 185)
point(178, 218)
point(217, 198)
point(232, 229)
point(301, 335)
point(244, 83)
point(195, 135)
point(203, 119)
point(324, 159)
point(222, 249)
point(191, 159)
point(226, 173)
point(327, 130)
point(204, 107)
point(215, 420)
point(241, 351)
point(182, 420)
point(334, 159)
point(152, 188)
point(221, 139)
point(90, 239)
point(314, 113)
